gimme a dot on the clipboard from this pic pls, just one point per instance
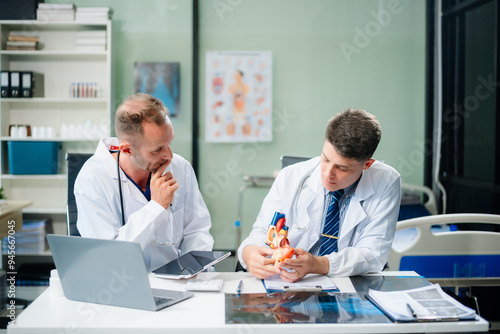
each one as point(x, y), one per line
point(310, 282)
point(287, 288)
point(425, 304)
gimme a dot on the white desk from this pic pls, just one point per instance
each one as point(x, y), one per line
point(203, 313)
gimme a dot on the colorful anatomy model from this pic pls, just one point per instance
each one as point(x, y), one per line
point(277, 238)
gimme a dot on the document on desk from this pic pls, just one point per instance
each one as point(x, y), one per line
point(429, 303)
point(310, 282)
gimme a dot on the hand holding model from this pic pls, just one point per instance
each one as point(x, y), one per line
point(264, 262)
point(277, 238)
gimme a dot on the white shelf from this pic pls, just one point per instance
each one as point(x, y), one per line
point(34, 177)
point(61, 64)
point(58, 139)
point(56, 211)
point(58, 24)
point(53, 100)
point(53, 53)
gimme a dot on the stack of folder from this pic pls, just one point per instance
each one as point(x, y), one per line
point(18, 40)
point(31, 239)
point(55, 12)
point(92, 14)
point(22, 84)
point(91, 40)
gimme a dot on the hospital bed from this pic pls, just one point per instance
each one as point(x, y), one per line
point(467, 262)
point(417, 201)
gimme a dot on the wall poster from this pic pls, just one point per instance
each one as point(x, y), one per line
point(238, 96)
point(161, 80)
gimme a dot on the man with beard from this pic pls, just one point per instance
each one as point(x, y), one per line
point(135, 189)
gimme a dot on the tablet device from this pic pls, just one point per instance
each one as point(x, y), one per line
point(190, 264)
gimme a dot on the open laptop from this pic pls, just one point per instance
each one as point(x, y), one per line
point(107, 272)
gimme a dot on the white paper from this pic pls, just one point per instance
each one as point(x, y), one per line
point(429, 303)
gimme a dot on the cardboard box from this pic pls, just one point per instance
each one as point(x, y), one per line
point(33, 157)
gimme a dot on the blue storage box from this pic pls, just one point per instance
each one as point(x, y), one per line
point(33, 157)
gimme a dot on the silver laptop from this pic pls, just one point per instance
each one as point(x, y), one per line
point(107, 272)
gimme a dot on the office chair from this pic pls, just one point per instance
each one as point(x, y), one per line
point(287, 160)
point(75, 162)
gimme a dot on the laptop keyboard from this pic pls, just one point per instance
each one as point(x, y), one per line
point(161, 300)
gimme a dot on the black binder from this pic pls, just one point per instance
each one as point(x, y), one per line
point(18, 9)
point(15, 84)
point(32, 84)
point(5, 84)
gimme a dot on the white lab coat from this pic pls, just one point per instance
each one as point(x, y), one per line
point(186, 223)
point(368, 227)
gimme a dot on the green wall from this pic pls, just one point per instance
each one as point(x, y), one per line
point(328, 55)
point(382, 71)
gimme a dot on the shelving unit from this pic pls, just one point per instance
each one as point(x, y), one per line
point(61, 64)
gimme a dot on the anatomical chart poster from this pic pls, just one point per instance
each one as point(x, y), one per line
point(238, 96)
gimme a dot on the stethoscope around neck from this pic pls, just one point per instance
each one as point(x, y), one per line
point(296, 198)
point(166, 243)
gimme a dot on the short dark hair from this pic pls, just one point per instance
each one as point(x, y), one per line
point(354, 133)
point(135, 110)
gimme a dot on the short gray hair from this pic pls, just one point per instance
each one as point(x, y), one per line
point(135, 110)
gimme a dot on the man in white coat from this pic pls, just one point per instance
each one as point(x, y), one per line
point(368, 208)
point(135, 189)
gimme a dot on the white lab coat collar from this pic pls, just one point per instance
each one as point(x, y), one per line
point(309, 198)
point(355, 212)
point(129, 189)
point(102, 152)
point(365, 186)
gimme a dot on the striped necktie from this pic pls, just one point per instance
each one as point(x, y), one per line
point(331, 227)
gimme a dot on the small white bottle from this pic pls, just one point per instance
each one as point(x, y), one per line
point(23, 131)
point(51, 132)
point(14, 131)
point(64, 131)
point(35, 132)
point(56, 289)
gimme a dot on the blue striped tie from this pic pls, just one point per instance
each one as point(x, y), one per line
point(331, 226)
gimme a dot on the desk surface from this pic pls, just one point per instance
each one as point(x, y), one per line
point(204, 313)
point(10, 207)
